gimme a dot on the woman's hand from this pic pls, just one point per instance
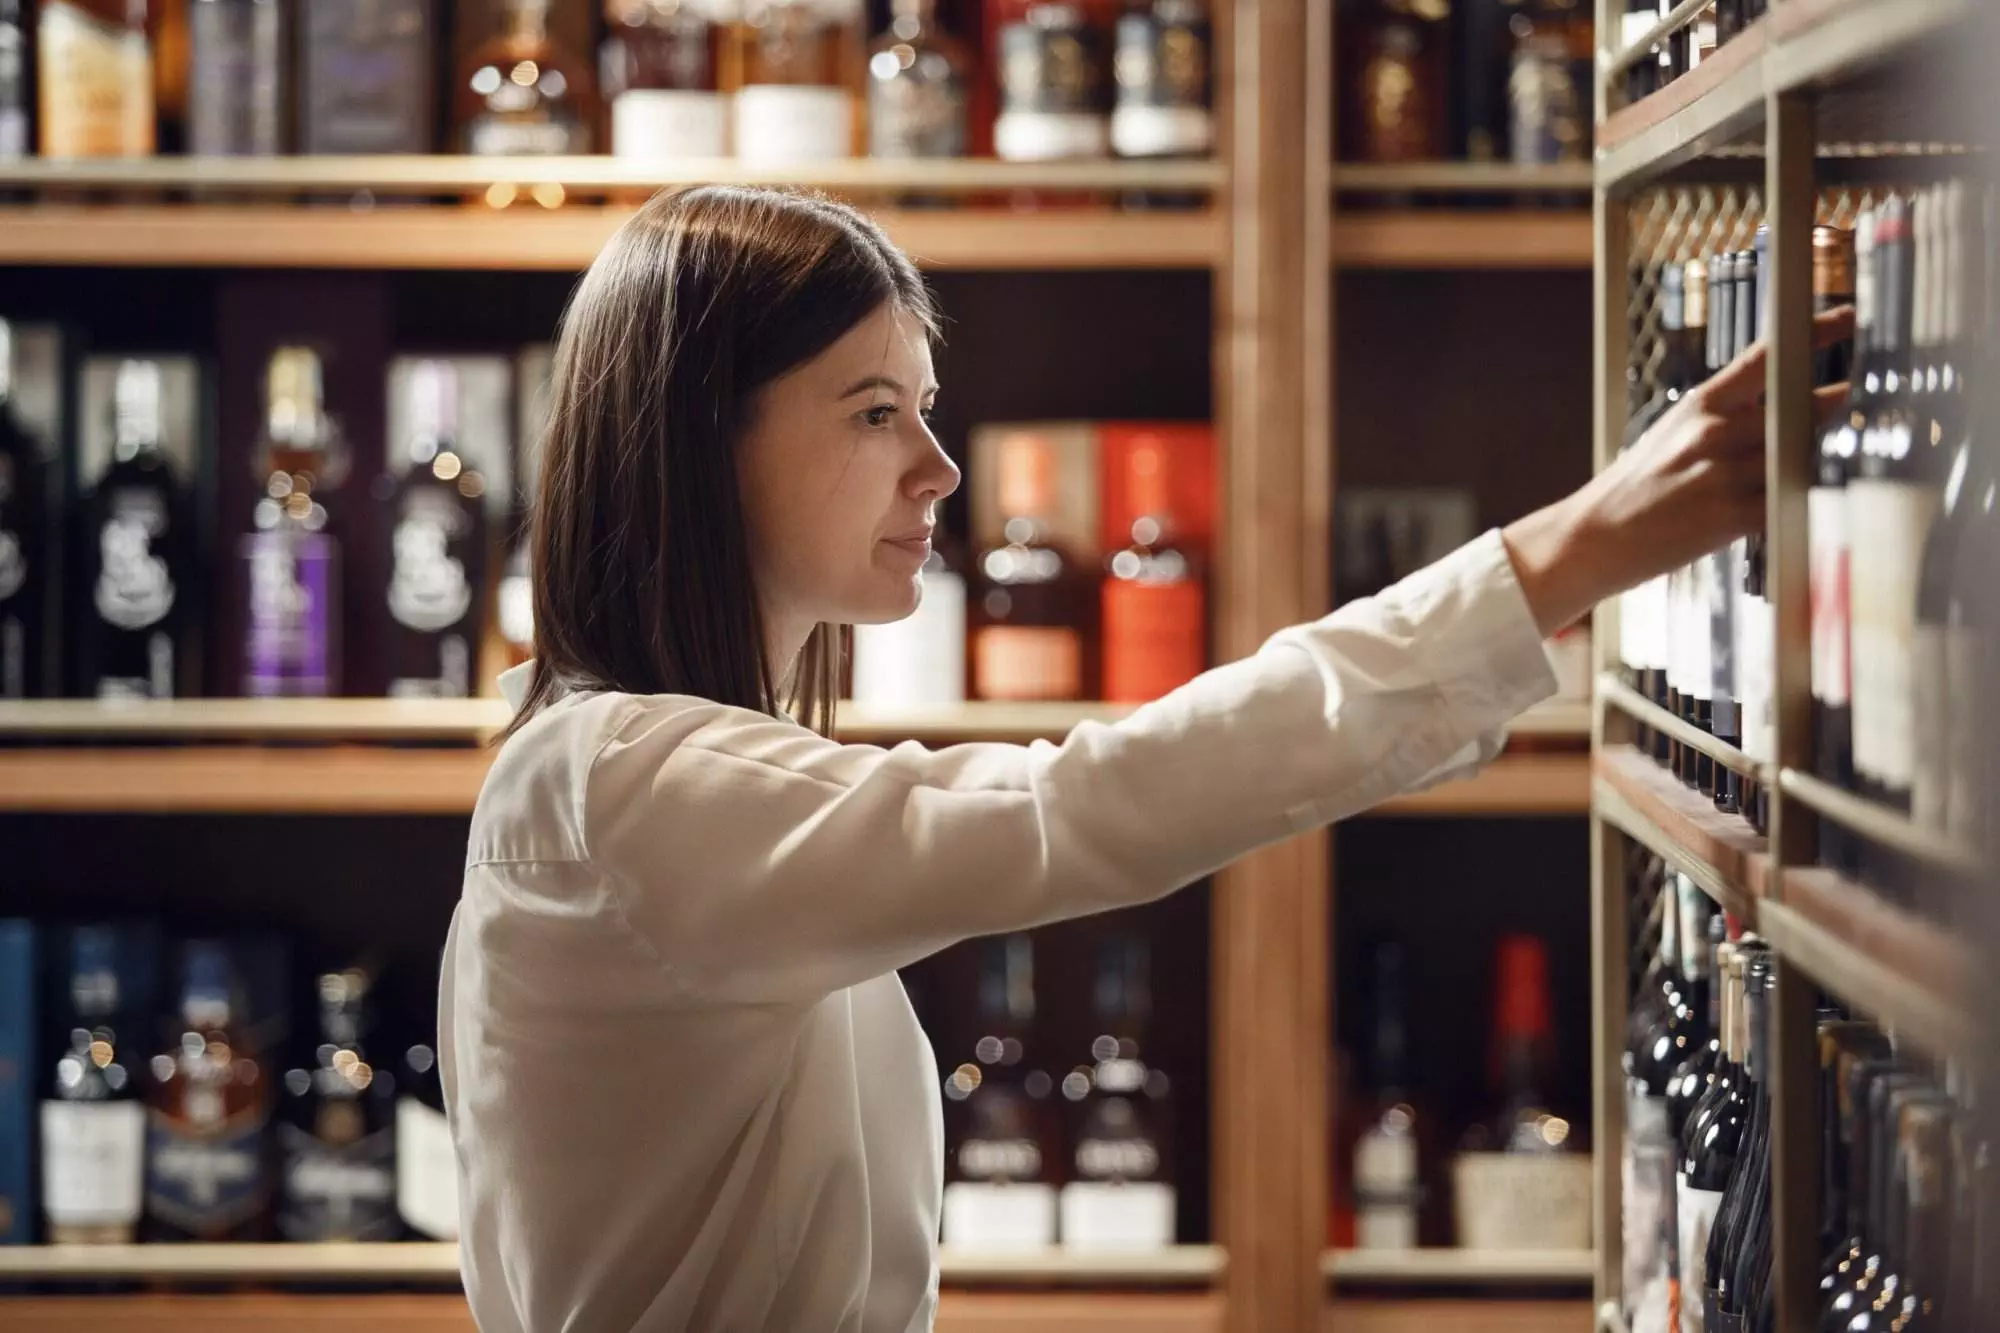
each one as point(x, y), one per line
point(1692, 483)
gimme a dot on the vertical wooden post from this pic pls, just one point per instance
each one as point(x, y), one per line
point(1791, 188)
point(1270, 913)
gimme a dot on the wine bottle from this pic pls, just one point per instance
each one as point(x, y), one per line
point(1647, 1163)
point(1732, 1242)
point(1715, 1134)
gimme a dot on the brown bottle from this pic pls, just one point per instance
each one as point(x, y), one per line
point(1029, 639)
point(520, 94)
point(95, 63)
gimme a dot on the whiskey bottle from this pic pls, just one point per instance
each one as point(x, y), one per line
point(16, 141)
point(291, 563)
point(133, 553)
point(1396, 82)
point(337, 1128)
point(24, 544)
point(93, 1120)
point(236, 78)
point(436, 529)
point(1028, 640)
point(1160, 64)
point(365, 77)
point(1120, 1194)
point(919, 79)
point(1052, 87)
point(661, 63)
point(208, 1163)
point(1550, 108)
point(95, 67)
point(1000, 1164)
point(520, 94)
point(795, 103)
point(426, 1163)
point(1154, 612)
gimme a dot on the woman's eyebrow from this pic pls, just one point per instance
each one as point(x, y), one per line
point(873, 382)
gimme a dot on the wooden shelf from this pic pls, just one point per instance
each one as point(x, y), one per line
point(1456, 239)
point(253, 1312)
point(429, 1263)
point(1717, 103)
point(1438, 1267)
point(1722, 854)
point(1881, 824)
point(1514, 785)
point(1496, 1315)
point(1446, 179)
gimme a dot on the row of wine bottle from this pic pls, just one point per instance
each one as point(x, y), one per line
point(1688, 46)
point(1906, 1167)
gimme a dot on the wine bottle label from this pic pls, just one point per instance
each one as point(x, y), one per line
point(135, 588)
point(1724, 577)
point(338, 1192)
point(1697, 631)
point(96, 85)
point(1155, 637)
point(1646, 639)
point(426, 1170)
point(1756, 676)
point(1930, 777)
point(1647, 1173)
point(365, 70)
point(428, 590)
point(660, 123)
point(1890, 520)
point(1129, 1215)
point(1827, 577)
point(1162, 131)
point(206, 1182)
point(236, 59)
point(1967, 754)
point(1694, 1212)
point(1016, 1216)
point(776, 124)
point(915, 117)
point(1676, 638)
point(497, 136)
point(293, 599)
point(1635, 26)
point(919, 659)
point(1387, 1190)
point(93, 1156)
point(1522, 1200)
point(1028, 662)
point(1048, 136)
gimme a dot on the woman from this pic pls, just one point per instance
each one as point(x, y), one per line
point(686, 1088)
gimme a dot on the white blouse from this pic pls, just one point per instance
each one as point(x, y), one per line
point(685, 1086)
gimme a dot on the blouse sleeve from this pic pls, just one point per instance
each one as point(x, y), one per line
point(761, 862)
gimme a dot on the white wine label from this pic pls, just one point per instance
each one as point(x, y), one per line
point(426, 1170)
point(1675, 632)
point(1011, 1217)
point(1133, 1215)
point(1889, 521)
point(1386, 1189)
point(1826, 522)
point(1048, 136)
point(919, 659)
point(1696, 630)
point(1756, 672)
point(491, 136)
point(93, 1155)
point(1966, 753)
point(1653, 631)
point(1930, 779)
point(1162, 131)
point(777, 125)
point(656, 123)
point(1522, 1201)
point(1694, 1212)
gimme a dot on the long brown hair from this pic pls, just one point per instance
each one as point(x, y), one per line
point(641, 562)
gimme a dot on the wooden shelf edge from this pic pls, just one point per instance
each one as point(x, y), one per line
point(1442, 1267)
point(1455, 177)
point(559, 240)
point(1512, 785)
point(1695, 112)
point(1819, 40)
point(1500, 240)
point(1721, 853)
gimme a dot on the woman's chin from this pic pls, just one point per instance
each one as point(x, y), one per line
point(897, 599)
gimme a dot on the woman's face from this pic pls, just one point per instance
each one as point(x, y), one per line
point(841, 476)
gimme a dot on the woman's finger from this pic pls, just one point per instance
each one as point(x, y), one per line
point(1739, 383)
point(1829, 401)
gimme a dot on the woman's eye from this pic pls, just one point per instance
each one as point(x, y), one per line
point(879, 415)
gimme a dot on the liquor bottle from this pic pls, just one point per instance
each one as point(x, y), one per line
point(208, 1167)
point(1923, 1227)
point(1052, 86)
point(436, 528)
point(426, 1163)
point(919, 659)
point(1843, 1046)
point(1520, 1179)
point(16, 141)
point(24, 544)
point(1388, 1162)
point(1396, 82)
point(1000, 1164)
point(365, 77)
point(95, 69)
point(133, 553)
point(521, 94)
point(1710, 1148)
point(1829, 526)
point(337, 1128)
point(93, 1120)
point(919, 80)
point(236, 78)
point(795, 103)
point(1886, 1296)
point(291, 563)
point(1120, 1194)
point(1551, 109)
point(1161, 67)
point(662, 59)
point(1849, 1277)
point(1891, 501)
point(1028, 638)
point(1155, 616)
point(1729, 1260)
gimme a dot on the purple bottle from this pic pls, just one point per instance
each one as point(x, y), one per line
point(291, 565)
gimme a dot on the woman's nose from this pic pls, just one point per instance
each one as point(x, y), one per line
point(937, 476)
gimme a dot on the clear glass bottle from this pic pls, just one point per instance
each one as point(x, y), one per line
point(337, 1129)
point(93, 1120)
point(662, 61)
point(95, 69)
point(236, 78)
point(291, 563)
point(919, 79)
point(521, 94)
point(794, 98)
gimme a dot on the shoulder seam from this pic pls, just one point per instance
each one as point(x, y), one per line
point(613, 876)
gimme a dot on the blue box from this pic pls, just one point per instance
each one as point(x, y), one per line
point(17, 1082)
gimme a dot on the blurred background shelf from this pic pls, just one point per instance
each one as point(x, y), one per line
point(1452, 239)
point(1442, 1267)
point(1499, 1315)
point(1513, 785)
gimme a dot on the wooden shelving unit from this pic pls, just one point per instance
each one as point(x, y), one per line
point(1461, 215)
point(1780, 108)
point(1440, 1268)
